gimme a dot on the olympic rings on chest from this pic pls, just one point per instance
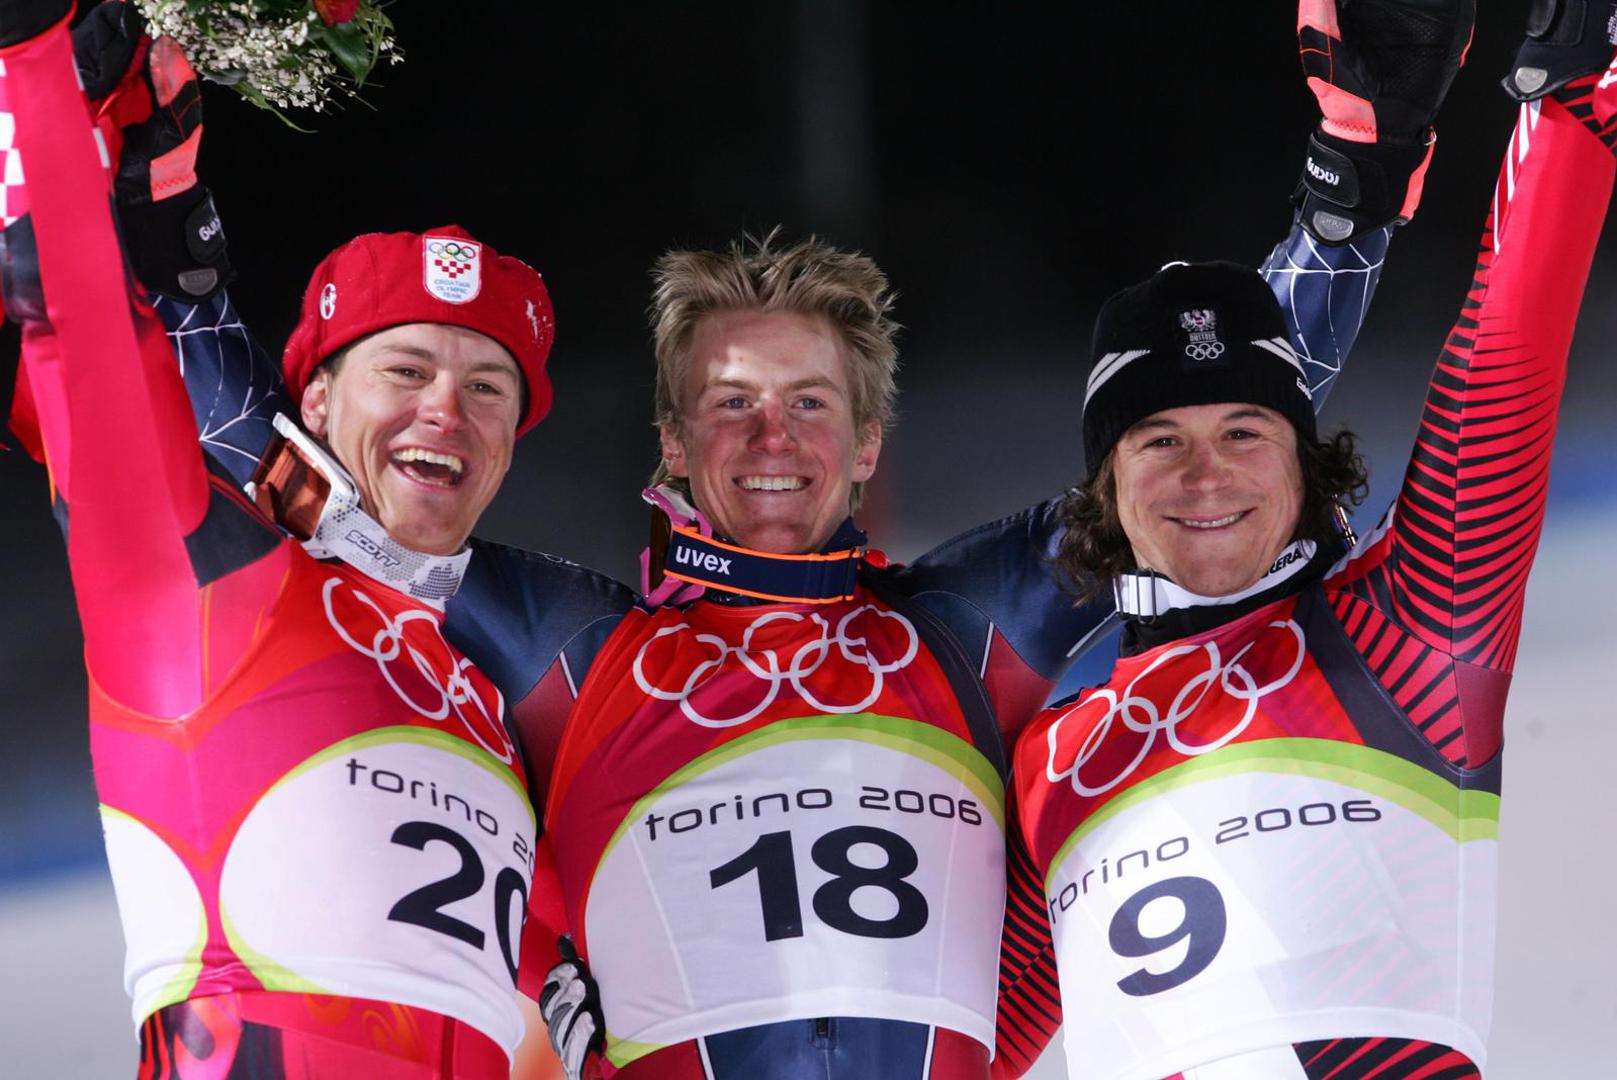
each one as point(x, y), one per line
point(1144, 714)
point(839, 658)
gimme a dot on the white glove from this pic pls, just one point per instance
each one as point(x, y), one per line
point(571, 1008)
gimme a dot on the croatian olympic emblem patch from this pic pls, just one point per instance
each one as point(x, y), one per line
point(452, 268)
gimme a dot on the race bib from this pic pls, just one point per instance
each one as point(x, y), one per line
point(1279, 891)
point(846, 866)
point(393, 865)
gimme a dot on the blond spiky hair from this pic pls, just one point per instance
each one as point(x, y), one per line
point(809, 277)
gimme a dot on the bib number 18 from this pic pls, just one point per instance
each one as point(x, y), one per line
point(782, 908)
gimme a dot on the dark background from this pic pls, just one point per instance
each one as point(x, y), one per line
point(1008, 165)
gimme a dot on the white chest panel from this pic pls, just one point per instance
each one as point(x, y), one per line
point(394, 865)
point(1221, 908)
point(837, 869)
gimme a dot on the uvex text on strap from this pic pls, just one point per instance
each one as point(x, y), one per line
point(800, 579)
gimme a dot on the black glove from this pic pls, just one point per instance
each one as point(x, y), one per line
point(149, 110)
point(1565, 39)
point(1380, 69)
point(571, 1007)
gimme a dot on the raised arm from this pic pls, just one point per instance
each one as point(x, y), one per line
point(148, 112)
point(146, 108)
point(117, 431)
point(1325, 290)
point(234, 384)
point(1441, 584)
point(1379, 70)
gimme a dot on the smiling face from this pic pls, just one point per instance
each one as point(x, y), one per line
point(424, 417)
point(1209, 494)
point(767, 436)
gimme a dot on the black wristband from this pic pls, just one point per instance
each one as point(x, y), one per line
point(1349, 188)
point(177, 246)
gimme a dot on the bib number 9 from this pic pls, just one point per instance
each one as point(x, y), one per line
point(772, 857)
point(424, 906)
point(1203, 924)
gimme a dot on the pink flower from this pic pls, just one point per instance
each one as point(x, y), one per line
point(336, 12)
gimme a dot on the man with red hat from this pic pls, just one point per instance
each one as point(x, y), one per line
point(316, 817)
point(397, 323)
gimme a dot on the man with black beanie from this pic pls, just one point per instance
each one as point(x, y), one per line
point(1266, 848)
point(1192, 361)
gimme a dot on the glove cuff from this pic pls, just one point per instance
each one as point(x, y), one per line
point(1565, 39)
point(177, 246)
point(1349, 188)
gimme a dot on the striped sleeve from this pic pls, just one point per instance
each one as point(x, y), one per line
point(1434, 599)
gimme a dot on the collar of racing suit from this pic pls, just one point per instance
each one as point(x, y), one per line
point(304, 489)
point(1156, 611)
point(686, 559)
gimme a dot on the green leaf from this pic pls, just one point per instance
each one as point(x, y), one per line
point(350, 46)
point(281, 9)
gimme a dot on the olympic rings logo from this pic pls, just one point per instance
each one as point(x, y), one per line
point(1141, 715)
point(445, 685)
point(766, 664)
point(1203, 351)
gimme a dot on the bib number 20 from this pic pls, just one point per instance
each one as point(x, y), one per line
point(772, 857)
point(424, 907)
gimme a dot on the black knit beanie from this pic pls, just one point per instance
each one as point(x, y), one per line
point(1192, 334)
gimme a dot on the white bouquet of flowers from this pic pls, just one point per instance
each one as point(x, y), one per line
point(279, 54)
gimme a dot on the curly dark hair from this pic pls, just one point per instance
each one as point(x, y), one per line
point(1094, 548)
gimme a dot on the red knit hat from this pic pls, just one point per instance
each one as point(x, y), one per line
point(440, 276)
